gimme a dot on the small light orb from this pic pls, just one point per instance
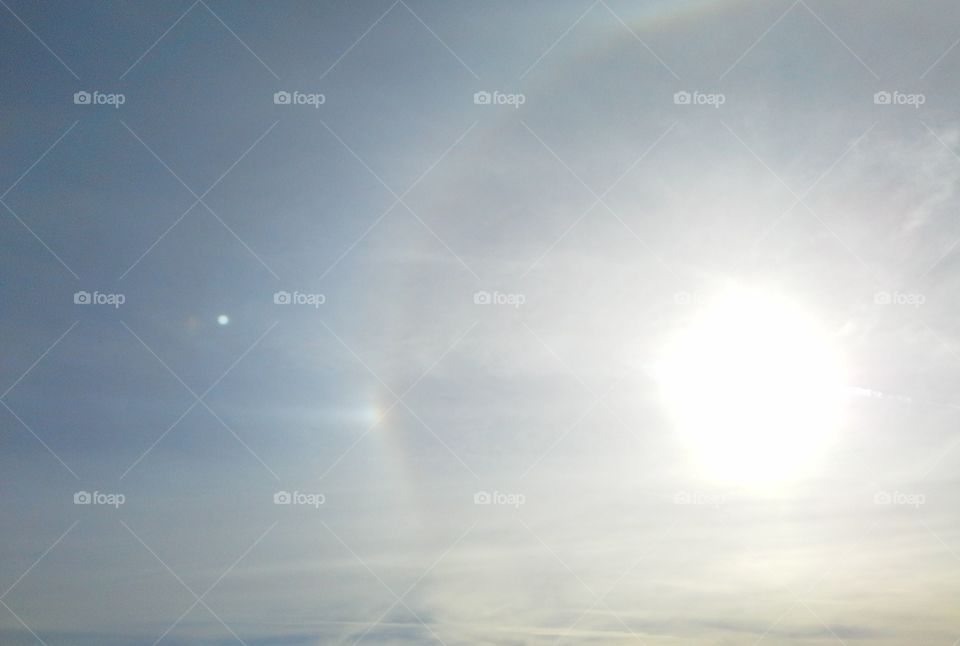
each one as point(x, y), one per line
point(223, 319)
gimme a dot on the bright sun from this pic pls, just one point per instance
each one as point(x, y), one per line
point(755, 386)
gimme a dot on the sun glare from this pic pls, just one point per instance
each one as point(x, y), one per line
point(755, 386)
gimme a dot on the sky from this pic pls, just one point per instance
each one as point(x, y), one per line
point(371, 322)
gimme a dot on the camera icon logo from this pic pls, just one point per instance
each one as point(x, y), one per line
point(682, 98)
point(281, 98)
point(482, 298)
point(882, 98)
point(282, 498)
point(882, 498)
point(482, 98)
point(482, 498)
point(282, 298)
point(882, 298)
point(82, 498)
point(81, 98)
point(82, 298)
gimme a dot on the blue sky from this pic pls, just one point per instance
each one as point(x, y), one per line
point(439, 323)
